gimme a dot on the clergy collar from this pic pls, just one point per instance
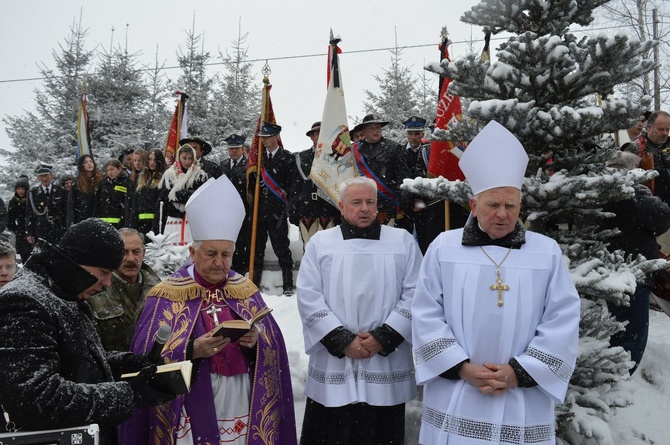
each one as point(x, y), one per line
point(473, 235)
point(349, 231)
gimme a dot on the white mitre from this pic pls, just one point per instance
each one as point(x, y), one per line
point(215, 211)
point(494, 158)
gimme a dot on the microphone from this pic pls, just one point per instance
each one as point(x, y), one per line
point(161, 337)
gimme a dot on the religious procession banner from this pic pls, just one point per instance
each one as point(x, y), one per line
point(178, 128)
point(333, 160)
point(444, 155)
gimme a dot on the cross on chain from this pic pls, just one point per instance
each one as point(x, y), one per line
point(213, 311)
point(499, 287)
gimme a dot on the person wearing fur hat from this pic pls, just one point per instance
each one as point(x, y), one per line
point(177, 185)
point(60, 375)
point(203, 148)
point(16, 221)
point(47, 208)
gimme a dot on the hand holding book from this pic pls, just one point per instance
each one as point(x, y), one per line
point(235, 329)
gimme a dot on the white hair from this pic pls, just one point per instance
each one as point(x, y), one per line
point(359, 180)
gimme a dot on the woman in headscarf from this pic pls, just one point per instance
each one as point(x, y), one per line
point(143, 207)
point(81, 199)
point(178, 184)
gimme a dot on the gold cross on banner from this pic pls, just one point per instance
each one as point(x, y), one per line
point(499, 287)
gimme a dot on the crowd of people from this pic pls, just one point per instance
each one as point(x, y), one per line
point(484, 317)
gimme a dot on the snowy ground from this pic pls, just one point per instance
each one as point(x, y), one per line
point(644, 422)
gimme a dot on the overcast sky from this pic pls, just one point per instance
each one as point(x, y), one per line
point(31, 29)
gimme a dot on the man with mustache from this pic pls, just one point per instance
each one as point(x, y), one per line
point(115, 309)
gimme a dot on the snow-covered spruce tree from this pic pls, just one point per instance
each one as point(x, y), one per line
point(396, 99)
point(196, 83)
point(239, 90)
point(544, 88)
point(49, 134)
point(118, 99)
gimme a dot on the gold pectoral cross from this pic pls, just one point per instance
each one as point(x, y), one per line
point(499, 287)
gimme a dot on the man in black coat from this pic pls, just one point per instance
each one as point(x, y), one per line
point(277, 172)
point(236, 169)
point(307, 210)
point(385, 162)
point(203, 148)
point(55, 372)
point(426, 215)
point(47, 208)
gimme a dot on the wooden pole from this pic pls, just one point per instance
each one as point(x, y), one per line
point(259, 165)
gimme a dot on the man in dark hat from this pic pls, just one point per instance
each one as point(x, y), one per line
point(307, 209)
point(46, 209)
point(277, 173)
point(203, 148)
point(383, 161)
point(427, 216)
point(235, 167)
point(356, 133)
point(61, 376)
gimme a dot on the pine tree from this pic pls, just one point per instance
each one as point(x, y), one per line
point(157, 116)
point(636, 17)
point(238, 89)
point(197, 84)
point(118, 99)
point(49, 135)
point(396, 100)
point(544, 88)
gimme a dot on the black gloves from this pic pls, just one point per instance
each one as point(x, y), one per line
point(145, 395)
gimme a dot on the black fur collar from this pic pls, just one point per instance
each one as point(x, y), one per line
point(473, 235)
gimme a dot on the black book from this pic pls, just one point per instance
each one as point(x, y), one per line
point(170, 378)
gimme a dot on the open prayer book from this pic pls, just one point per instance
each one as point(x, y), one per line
point(174, 378)
point(234, 329)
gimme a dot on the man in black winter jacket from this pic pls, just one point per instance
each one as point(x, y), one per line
point(55, 373)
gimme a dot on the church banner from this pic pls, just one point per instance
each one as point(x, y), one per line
point(333, 159)
point(444, 155)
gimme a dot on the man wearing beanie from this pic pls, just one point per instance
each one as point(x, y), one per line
point(55, 373)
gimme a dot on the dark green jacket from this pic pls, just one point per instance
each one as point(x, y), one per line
point(115, 310)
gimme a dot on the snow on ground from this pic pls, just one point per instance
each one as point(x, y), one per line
point(644, 422)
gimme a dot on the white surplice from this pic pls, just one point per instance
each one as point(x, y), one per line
point(359, 284)
point(456, 316)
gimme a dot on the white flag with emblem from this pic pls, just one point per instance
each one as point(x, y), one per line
point(333, 159)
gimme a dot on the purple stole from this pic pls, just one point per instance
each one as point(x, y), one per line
point(177, 302)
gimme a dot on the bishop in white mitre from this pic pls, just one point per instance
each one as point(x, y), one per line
point(495, 315)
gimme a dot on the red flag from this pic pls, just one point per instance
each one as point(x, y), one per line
point(444, 155)
point(178, 128)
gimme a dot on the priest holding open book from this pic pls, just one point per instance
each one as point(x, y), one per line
point(241, 390)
